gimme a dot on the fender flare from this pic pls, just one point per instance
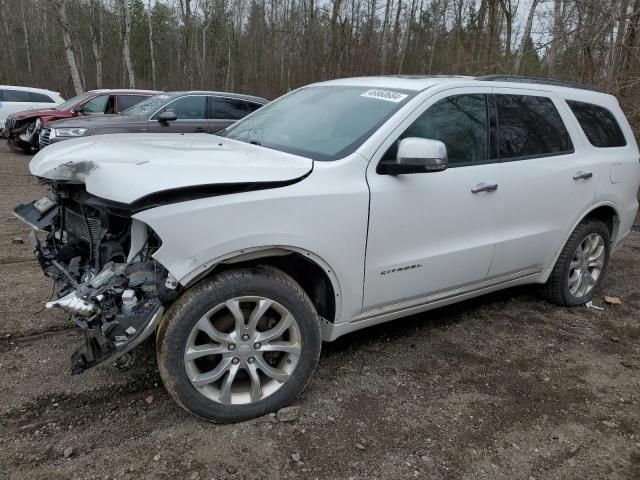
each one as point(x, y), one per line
point(594, 207)
point(265, 251)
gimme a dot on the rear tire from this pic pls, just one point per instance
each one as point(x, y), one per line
point(262, 339)
point(581, 266)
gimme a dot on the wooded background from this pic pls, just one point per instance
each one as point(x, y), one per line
point(268, 47)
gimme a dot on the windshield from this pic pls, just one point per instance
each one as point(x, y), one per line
point(148, 106)
point(321, 122)
point(69, 103)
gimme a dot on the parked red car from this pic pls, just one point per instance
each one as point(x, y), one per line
point(22, 129)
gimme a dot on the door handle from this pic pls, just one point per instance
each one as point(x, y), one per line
point(582, 175)
point(485, 187)
point(199, 129)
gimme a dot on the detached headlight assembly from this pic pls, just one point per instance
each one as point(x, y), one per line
point(70, 132)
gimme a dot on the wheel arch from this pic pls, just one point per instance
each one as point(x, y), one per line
point(604, 211)
point(310, 271)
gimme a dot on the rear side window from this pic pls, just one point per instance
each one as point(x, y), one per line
point(530, 126)
point(126, 101)
point(229, 109)
point(40, 98)
point(598, 124)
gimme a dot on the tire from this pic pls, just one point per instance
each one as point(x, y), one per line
point(558, 288)
point(193, 311)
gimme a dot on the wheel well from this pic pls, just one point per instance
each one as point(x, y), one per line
point(608, 216)
point(310, 276)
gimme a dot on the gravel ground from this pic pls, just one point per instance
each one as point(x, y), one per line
point(502, 387)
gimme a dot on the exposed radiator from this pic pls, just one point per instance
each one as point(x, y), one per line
point(76, 224)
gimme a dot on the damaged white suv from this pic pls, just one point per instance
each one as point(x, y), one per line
point(339, 206)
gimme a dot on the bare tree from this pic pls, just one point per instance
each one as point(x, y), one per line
point(526, 36)
point(152, 56)
point(95, 10)
point(61, 8)
point(125, 14)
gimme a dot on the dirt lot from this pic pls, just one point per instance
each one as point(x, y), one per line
point(504, 387)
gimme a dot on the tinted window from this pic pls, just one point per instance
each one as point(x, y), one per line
point(16, 96)
point(530, 126)
point(460, 122)
point(40, 98)
point(229, 109)
point(95, 105)
point(598, 124)
point(191, 107)
point(126, 101)
point(253, 106)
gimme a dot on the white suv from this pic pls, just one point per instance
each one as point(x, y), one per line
point(341, 205)
point(16, 99)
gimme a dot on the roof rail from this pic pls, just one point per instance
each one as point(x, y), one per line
point(543, 81)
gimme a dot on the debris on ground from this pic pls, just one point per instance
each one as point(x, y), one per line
point(295, 457)
point(68, 452)
point(288, 414)
point(612, 300)
point(17, 241)
point(591, 306)
point(148, 399)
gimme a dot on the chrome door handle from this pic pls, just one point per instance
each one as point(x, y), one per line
point(582, 175)
point(485, 187)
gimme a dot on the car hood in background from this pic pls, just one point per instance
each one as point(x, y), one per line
point(127, 167)
point(91, 121)
point(38, 112)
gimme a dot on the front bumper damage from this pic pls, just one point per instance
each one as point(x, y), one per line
point(117, 299)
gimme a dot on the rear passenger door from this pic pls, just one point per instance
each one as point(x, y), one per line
point(226, 111)
point(547, 180)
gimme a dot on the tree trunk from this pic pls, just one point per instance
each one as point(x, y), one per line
point(186, 19)
point(152, 55)
point(558, 21)
point(525, 37)
point(27, 44)
point(61, 7)
point(126, 42)
point(95, 41)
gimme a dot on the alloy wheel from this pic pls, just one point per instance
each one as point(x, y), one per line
point(243, 350)
point(586, 265)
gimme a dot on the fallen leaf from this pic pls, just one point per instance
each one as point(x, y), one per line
point(612, 300)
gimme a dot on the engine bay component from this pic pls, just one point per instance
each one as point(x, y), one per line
point(101, 263)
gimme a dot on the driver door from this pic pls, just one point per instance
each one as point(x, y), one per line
point(433, 233)
point(191, 113)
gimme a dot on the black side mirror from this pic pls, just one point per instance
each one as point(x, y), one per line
point(165, 117)
point(416, 155)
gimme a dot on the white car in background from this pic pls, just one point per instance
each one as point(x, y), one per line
point(17, 99)
point(339, 206)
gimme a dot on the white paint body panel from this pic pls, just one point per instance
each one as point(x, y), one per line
point(126, 167)
point(355, 223)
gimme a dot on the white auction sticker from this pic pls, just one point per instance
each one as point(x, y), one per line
point(387, 95)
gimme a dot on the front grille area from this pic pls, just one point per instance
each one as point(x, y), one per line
point(44, 137)
point(75, 224)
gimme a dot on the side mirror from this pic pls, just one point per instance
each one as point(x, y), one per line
point(416, 155)
point(165, 117)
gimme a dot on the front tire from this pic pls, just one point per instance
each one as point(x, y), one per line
point(581, 266)
point(239, 345)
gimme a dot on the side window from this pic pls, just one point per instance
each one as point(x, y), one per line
point(252, 107)
point(16, 96)
point(191, 107)
point(599, 125)
point(95, 105)
point(460, 122)
point(530, 126)
point(229, 109)
point(126, 101)
point(40, 98)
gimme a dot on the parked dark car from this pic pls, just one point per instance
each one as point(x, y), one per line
point(23, 128)
point(175, 112)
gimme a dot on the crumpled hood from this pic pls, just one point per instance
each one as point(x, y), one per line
point(127, 167)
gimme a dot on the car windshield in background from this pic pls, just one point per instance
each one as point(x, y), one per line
point(69, 103)
point(322, 122)
point(148, 106)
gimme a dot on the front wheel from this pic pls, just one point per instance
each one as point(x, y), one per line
point(239, 345)
point(581, 265)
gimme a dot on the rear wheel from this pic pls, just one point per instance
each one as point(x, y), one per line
point(581, 265)
point(239, 345)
